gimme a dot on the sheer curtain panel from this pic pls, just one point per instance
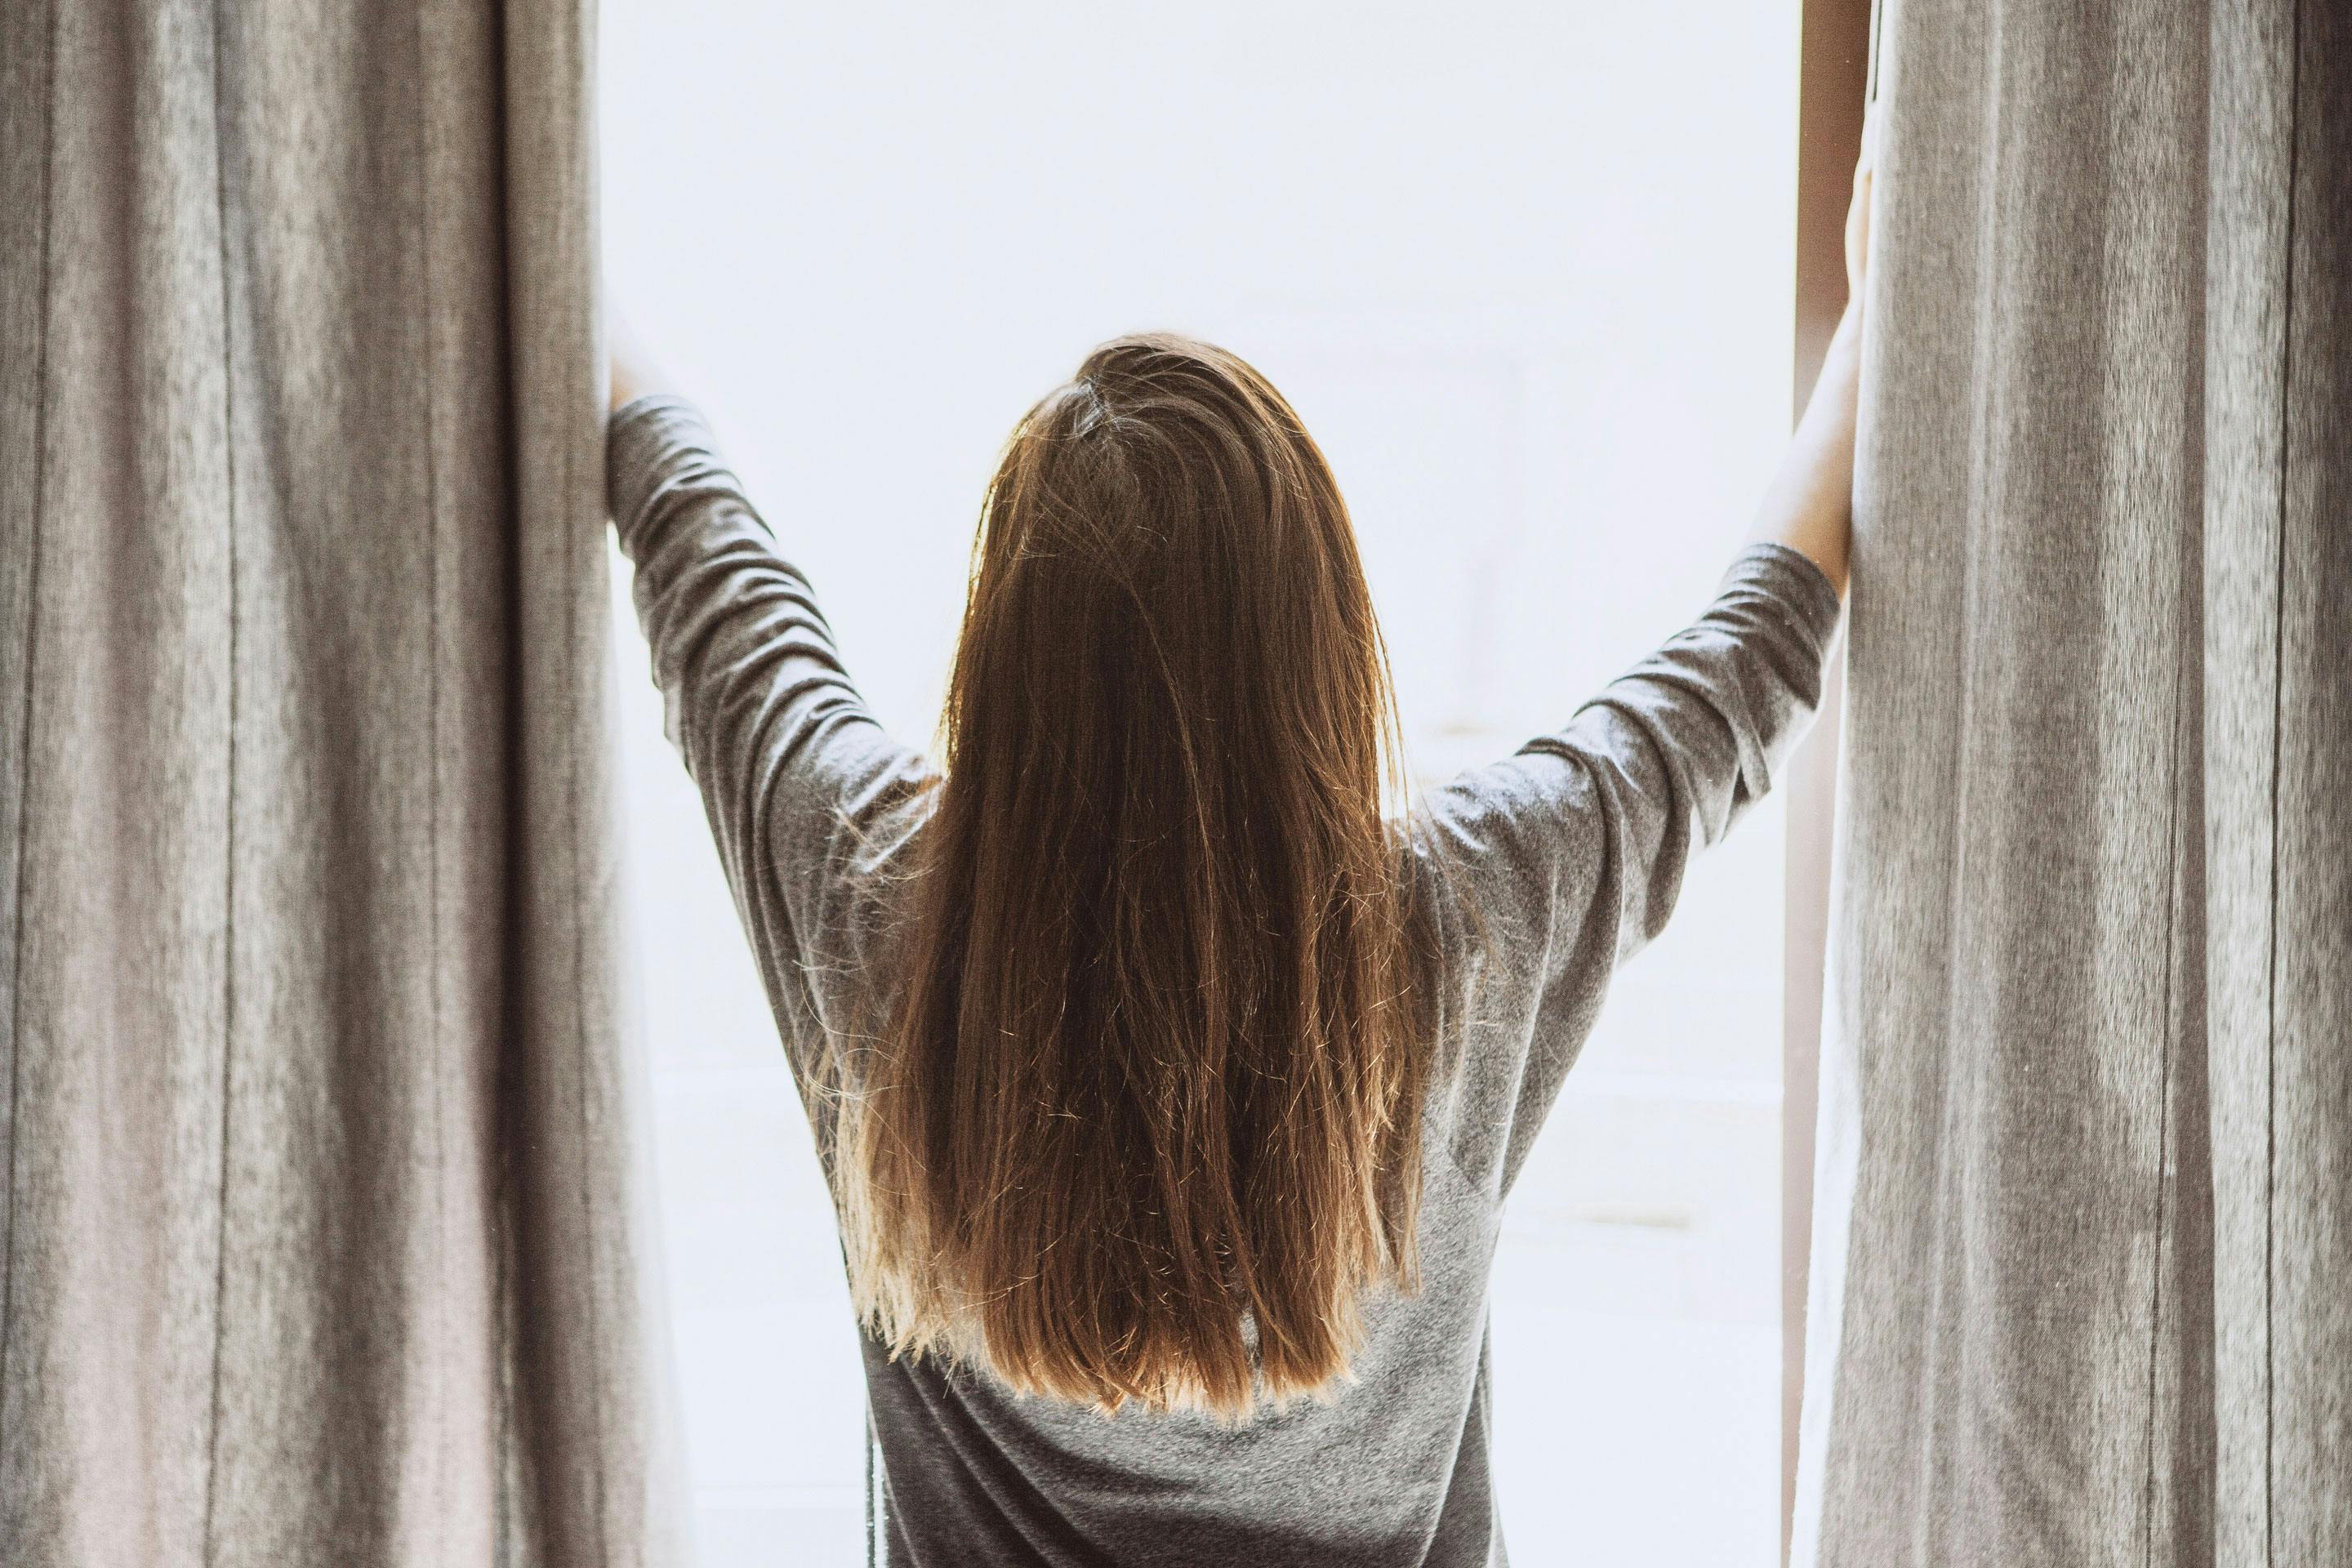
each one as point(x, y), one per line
point(318, 1240)
point(2082, 1286)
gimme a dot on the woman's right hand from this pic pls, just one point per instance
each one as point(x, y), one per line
point(1857, 215)
point(1810, 504)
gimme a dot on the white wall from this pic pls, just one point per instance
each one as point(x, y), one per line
point(1525, 270)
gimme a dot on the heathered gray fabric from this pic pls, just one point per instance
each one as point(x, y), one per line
point(2083, 1268)
point(315, 1231)
point(1572, 850)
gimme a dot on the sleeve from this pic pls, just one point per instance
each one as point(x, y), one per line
point(795, 773)
point(1570, 854)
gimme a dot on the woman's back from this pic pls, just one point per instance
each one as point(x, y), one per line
point(1392, 1471)
point(1534, 878)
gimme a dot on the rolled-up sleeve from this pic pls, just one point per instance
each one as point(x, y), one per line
point(1573, 850)
point(793, 770)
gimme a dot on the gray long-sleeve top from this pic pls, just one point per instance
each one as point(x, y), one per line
point(1572, 851)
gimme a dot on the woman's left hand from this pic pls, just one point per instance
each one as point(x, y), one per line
point(632, 369)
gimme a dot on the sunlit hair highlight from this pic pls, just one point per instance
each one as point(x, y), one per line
point(1145, 1123)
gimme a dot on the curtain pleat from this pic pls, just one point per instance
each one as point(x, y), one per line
point(2082, 1273)
point(323, 1204)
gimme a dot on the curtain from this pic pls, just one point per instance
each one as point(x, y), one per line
point(318, 1239)
point(2083, 1260)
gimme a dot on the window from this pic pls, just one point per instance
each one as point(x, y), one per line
point(1526, 272)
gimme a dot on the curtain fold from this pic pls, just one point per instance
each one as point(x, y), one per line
point(322, 1200)
point(2083, 1263)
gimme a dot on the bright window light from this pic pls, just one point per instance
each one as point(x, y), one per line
point(1526, 272)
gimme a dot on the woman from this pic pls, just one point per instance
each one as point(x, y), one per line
point(1170, 1085)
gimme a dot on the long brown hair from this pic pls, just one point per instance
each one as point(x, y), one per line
point(1146, 1121)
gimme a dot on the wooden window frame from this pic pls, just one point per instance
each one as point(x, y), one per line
point(1836, 79)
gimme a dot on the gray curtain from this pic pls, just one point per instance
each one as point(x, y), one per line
point(316, 1229)
point(2083, 1268)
